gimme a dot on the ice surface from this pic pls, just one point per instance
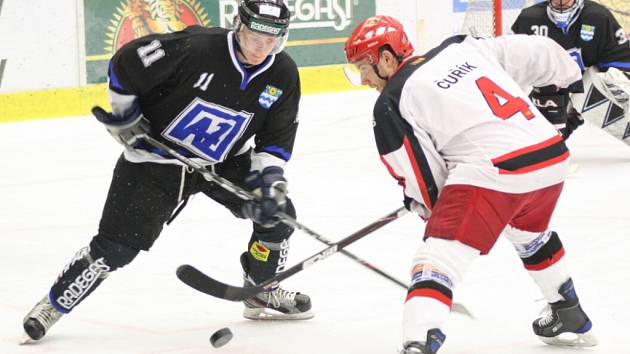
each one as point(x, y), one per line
point(54, 179)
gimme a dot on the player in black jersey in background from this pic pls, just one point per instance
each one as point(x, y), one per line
point(204, 92)
point(593, 37)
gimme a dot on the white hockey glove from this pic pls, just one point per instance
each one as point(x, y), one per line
point(125, 129)
point(418, 208)
point(617, 86)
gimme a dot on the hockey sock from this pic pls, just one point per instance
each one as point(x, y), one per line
point(428, 303)
point(87, 269)
point(264, 259)
point(542, 255)
point(268, 250)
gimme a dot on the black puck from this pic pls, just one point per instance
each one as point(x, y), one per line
point(221, 337)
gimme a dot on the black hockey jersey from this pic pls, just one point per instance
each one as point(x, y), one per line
point(201, 100)
point(595, 38)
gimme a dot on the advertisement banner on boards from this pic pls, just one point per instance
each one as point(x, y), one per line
point(317, 32)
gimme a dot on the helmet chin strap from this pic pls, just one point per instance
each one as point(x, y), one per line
point(375, 67)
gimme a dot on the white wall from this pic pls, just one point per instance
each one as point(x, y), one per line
point(38, 39)
point(403, 10)
point(435, 22)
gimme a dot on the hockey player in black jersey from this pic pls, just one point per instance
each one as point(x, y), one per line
point(594, 38)
point(204, 92)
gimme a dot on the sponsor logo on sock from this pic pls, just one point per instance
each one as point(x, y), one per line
point(425, 272)
point(528, 250)
point(284, 254)
point(82, 283)
point(259, 252)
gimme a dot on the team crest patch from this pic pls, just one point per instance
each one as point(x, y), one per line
point(587, 32)
point(259, 252)
point(269, 96)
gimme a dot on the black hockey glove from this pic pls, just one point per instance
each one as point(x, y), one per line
point(552, 103)
point(555, 105)
point(127, 128)
point(270, 189)
point(574, 120)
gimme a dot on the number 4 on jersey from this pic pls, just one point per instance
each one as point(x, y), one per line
point(510, 106)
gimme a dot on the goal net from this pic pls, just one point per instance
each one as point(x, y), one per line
point(490, 18)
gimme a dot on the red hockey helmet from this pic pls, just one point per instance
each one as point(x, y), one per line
point(373, 33)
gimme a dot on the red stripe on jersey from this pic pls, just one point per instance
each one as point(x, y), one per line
point(390, 169)
point(532, 158)
point(536, 166)
point(527, 149)
point(547, 262)
point(416, 171)
point(434, 294)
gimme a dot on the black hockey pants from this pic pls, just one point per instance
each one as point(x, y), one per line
point(141, 198)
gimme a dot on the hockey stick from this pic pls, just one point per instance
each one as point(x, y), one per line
point(202, 282)
point(195, 278)
point(246, 195)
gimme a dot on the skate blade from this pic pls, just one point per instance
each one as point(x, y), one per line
point(266, 314)
point(572, 340)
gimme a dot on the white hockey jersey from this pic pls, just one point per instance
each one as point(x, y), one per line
point(459, 115)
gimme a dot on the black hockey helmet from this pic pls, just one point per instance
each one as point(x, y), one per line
point(269, 17)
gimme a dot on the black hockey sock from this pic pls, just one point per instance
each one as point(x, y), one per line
point(87, 269)
point(268, 249)
point(264, 259)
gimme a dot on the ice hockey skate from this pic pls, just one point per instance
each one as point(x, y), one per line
point(39, 320)
point(278, 304)
point(564, 322)
point(435, 339)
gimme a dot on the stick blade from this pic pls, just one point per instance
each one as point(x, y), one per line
point(199, 281)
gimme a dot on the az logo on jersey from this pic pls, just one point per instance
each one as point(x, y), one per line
point(269, 96)
point(207, 129)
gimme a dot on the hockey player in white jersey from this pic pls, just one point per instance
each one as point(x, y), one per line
point(475, 159)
